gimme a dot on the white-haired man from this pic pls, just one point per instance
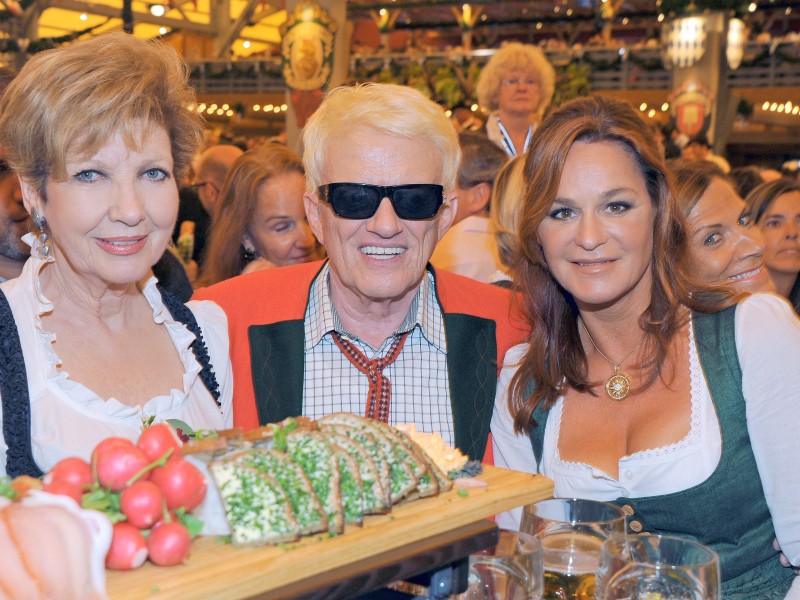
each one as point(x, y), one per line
point(373, 330)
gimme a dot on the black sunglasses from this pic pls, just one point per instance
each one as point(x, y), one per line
point(411, 202)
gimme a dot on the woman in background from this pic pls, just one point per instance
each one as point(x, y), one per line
point(516, 86)
point(673, 399)
point(260, 222)
point(92, 346)
point(724, 245)
point(775, 207)
point(508, 194)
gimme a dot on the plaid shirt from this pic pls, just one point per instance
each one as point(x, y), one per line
point(420, 385)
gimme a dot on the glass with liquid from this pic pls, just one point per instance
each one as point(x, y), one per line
point(657, 567)
point(511, 570)
point(572, 531)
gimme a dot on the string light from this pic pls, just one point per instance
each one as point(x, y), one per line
point(84, 17)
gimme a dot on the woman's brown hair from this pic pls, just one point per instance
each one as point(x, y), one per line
point(555, 359)
point(238, 200)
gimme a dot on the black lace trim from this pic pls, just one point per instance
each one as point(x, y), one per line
point(16, 402)
point(180, 312)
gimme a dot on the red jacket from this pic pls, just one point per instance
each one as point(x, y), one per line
point(265, 313)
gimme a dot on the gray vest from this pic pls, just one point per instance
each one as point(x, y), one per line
point(727, 511)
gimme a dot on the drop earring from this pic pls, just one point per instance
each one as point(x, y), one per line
point(249, 251)
point(41, 247)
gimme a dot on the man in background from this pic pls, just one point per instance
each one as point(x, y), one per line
point(699, 148)
point(469, 248)
point(14, 223)
point(198, 200)
point(14, 219)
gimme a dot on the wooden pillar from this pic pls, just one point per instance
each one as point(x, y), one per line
point(337, 9)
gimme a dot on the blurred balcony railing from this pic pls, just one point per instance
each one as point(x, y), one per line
point(773, 65)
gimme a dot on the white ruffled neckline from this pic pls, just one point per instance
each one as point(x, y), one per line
point(181, 337)
point(687, 443)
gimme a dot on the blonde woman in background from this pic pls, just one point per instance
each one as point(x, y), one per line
point(516, 86)
point(508, 195)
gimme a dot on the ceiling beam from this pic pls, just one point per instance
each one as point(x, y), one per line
point(228, 35)
point(139, 17)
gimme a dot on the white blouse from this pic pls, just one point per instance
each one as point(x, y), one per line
point(768, 344)
point(68, 419)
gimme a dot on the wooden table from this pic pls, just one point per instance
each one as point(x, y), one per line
point(415, 537)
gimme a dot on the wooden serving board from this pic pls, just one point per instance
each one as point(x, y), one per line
point(218, 570)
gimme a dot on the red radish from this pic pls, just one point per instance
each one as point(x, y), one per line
point(169, 544)
point(72, 470)
point(128, 548)
point(62, 487)
point(107, 444)
point(182, 483)
point(116, 465)
point(142, 504)
point(157, 439)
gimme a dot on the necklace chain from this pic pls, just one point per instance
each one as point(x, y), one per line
point(618, 385)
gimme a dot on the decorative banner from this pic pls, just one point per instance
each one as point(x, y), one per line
point(686, 40)
point(690, 106)
point(307, 52)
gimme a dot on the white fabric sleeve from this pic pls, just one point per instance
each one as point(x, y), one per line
point(511, 451)
point(214, 324)
point(768, 344)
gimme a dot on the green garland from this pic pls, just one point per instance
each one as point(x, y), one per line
point(9, 46)
point(680, 7)
point(646, 64)
point(793, 59)
point(452, 83)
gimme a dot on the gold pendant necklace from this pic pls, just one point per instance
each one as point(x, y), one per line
point(618, 386)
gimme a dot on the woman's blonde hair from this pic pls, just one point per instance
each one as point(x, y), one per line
point(508, 195)
point(383, 109)
point(75, 98)
point(238, 201)
point(515, 56)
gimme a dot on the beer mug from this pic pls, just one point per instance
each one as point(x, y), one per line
point(512, 570)
point(647, 566)
point(572, 532)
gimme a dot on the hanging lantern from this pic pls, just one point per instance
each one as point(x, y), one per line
point(734, 49)
point(686, 40)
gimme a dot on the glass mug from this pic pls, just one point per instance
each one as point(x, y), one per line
point(648, 566)
point(512, 570)
point(572, 531)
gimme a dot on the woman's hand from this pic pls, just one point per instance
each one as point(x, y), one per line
point(784, 561)
point(52, 548)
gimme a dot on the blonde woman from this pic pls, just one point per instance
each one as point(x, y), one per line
point(99, 142)
point(515, 86)
point(508, 194)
